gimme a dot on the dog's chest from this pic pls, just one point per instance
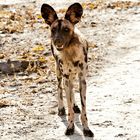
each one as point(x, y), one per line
point(69, 67)
point(71, 64)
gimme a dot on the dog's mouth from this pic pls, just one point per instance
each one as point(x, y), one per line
point(60, 48)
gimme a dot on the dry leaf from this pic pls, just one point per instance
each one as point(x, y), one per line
point(42, 59)
point(4, 103)
point(39, 17)
point(38, 48)
point(62, 10)
point(5, 14)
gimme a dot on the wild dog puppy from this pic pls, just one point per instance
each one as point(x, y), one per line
point(69, 49)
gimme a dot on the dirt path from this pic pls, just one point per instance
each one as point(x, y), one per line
point(29, 110)
point(116, 92)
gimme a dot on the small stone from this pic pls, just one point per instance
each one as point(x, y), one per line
point(1, 56)
point(93, 24)
point(52, 112)
point(34, 91)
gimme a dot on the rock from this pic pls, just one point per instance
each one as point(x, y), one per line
point(1, 56)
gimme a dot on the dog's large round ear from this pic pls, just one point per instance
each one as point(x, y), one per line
point(74, 13)
point(48, 13)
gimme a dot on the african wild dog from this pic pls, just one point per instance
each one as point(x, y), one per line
point(69, 49)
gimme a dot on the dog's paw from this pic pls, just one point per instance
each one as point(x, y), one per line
point(69, 131)
point(88, 133)
point(61, 111)
point(76, 109)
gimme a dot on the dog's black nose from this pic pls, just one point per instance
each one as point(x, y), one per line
point(58, 42)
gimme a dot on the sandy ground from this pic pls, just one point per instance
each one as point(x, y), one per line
point(28, 100)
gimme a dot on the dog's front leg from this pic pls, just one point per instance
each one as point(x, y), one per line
point(75, 106)
point(61, 109)
point(82, 83)
point(68, 89)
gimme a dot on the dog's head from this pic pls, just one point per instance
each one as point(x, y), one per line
point(62, 29)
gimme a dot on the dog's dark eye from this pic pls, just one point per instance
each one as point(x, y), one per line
point(66, 29)
point(53, 30)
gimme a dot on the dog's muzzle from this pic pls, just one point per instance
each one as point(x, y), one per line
point(59, 48)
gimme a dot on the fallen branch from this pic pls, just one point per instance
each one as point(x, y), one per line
point(11, 67)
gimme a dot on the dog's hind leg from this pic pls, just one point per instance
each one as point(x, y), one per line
point(82, 82)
